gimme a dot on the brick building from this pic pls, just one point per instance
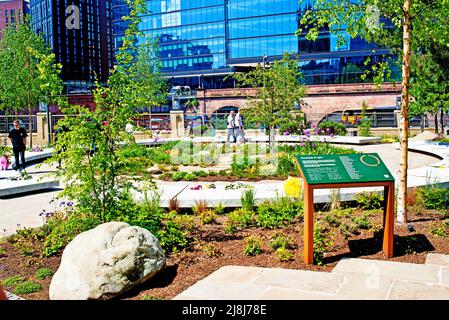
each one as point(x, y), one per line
point(11, 12)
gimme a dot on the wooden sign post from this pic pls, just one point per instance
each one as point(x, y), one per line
point(346, 171)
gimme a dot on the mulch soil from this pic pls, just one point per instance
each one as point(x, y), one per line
point(195, 263)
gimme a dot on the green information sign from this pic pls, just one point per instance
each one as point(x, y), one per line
point(344, 168)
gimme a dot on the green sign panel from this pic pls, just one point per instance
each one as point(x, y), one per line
point(344, 168)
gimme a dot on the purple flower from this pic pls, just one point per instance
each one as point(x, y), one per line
point(331, 134)
point(70, 203)
point(328, 130)
point(62, 203)
point(303, 144)
point(312, 144)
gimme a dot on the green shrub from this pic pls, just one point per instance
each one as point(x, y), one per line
point(219, 209)
point(200, 173)
point(248, 201)
point(189, 177)
point(239, 218)
point(332, 220)
point(389, 138)
point(186, 222)
point(207, 216)
point(26, 241)
point(348, 230)
point(439, 230)
point(343, 213)
point(171, 237)
point(365, 125)
point(433, 198)
point(27, 287)
point(284, 254)
point(279, 240)
point(147, 297)
point(65, 230)
point(253, 246)
point(362, 222)
point(43, 273)
point(369, 200)
point(12, 281)
point(286, 166)
point(321, 244)
point(278, 213)
point(335, 128)
point(179, 175)
point(211, 251)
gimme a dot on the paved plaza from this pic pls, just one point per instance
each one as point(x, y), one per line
point(350, 279)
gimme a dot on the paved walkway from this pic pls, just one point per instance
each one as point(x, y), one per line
point(23, 210)
point(351, 279)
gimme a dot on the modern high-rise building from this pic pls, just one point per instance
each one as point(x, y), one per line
point(203, 41)
point(80, 33)
point(12, 12)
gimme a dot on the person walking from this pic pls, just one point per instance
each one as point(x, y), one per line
point(18, 138)
point(239, 127)
point(231, 127)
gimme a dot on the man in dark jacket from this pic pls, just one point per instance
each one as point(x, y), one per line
point(18, 138)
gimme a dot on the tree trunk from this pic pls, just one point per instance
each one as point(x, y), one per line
point(436, 123)
point(30, 126)
point(442, 120)
point(272, 138)
point(402, 196)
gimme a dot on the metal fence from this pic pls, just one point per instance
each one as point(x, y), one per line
point(378, 119)
point(7, 122)
point(153, 121)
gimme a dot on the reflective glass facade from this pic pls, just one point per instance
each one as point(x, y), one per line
point(80, 33)
point(203, 40)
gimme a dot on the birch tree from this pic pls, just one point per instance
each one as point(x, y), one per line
point(403, 26)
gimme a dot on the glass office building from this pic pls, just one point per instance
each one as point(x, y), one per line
point(203, 41)
point(80, 34)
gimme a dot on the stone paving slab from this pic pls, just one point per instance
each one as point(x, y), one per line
point(384, 280)
point(239, 282)
point(10, 187)
point(168, 190)
point(236, 274)
point(390, 270)
point(437, 259)
point(293, 294)
point(444, 276)
point(364, 287)
point(319, 282)
point(403, 290)
point(264, 138)
point(209, 290)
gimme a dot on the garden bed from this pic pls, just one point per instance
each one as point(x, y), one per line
point(212, 248)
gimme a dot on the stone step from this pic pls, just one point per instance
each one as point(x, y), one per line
point(405, 290)
point(437, 259)
point(254, 283)
point(421, 273)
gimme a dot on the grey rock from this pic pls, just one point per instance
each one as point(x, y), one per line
point(107, 261)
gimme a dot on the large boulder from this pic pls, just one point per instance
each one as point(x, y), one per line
point(106, 261)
